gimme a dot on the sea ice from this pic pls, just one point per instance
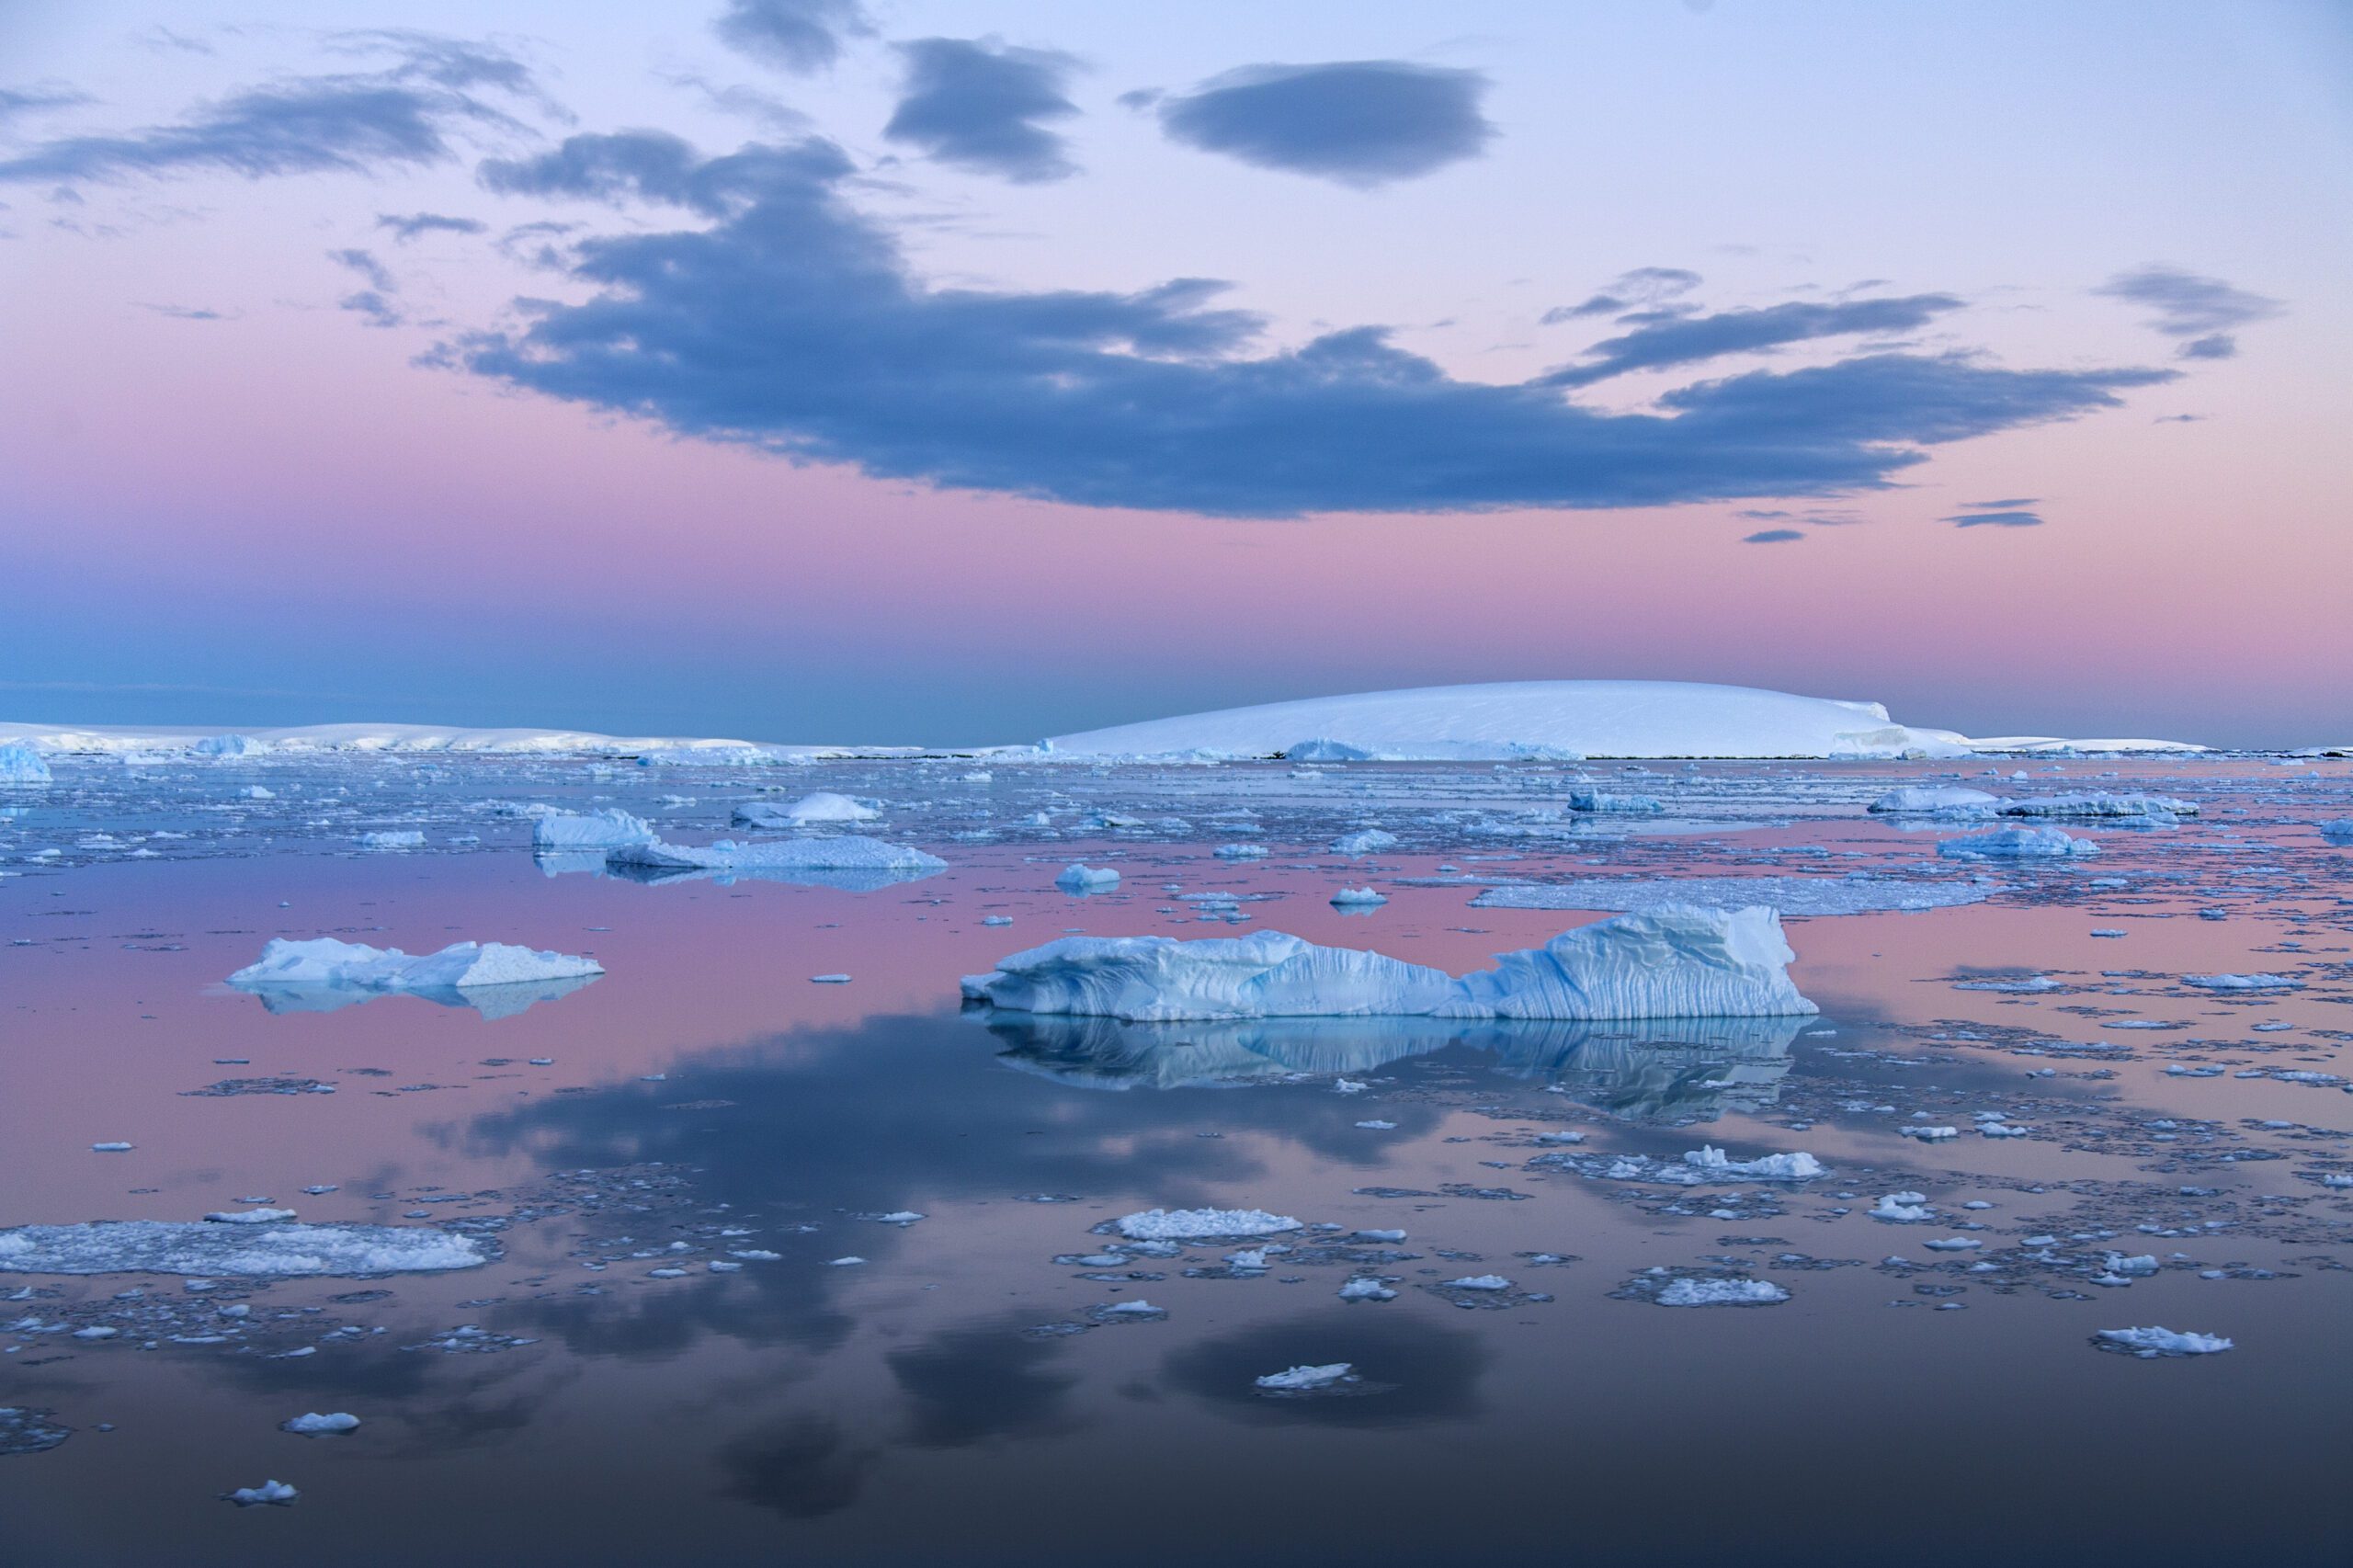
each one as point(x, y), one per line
point(2092, 803)
point(1801, 896)
point(1357, 898)
point(1202, 1224)
point(1079, 878)
point(399, 838)
point(1799, 1167)
point(1364, 841)
point(244, 1251)
point(1688, 1291)
point(825, 806)
point(2017, 844)
point(1927, 799)
point(2242, 982)
point(1601, 801)
point(324, 963)
point(19, 763)
point(276, 1491)
point(2149, 1343)
point(846, 853)
point(607, 829)
point(1295, 1379)
point(1674, 963)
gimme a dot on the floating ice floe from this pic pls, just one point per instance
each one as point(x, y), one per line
point(1079, 878)
point(1674, 963)
point(2017, 844)
point(1203, 1224)
point(1933, 800)
point(825, 806)
point(272, 1492)
point(2242, 982)
point(1357, 898)
point(313, 1424)
point(2340, 830)
point(1602, 802)
point(1689, 1291)
point(1800, 896)
point(2149, 1343)
point(325, 963)
point(1797, 1166)
point(240, 1251)
point(1295, 1380)
point(1363, 1289)
point(1902, 1208)
point(19, 763)
point(607, 829)
point(799, 860)
point(1364, 841)
point(398, 838)
point(2094, 803)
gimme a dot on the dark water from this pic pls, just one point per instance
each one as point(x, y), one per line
point(960, 1397)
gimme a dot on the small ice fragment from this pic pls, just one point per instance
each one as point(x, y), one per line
point(1366, 1290)
point(1478, 1282)
point(276, 1491)
point(109, 1148)
point(829, 980)
point(1293, 1379)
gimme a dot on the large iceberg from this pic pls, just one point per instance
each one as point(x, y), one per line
point(160, 1246)
point(590, 830)
point(326, 965)
point(1675, 962)
point(19, 763)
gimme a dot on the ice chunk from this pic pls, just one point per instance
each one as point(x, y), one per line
point(324, 963)
point(1362, 1288)
point(1364, 841)
point(275, 1492)
point(1602, 801)
point(2148, 1343)
point(1799, 1167)
point(1675, 963)
point(2092, 803)
point(1798, 896)
point(1688, 1291)
point(788, 861)
point(19, 763)
point(2242, 982)
point(1478, 1282)
point(825, 806)
point(1203, 1224)
point(1079, 878)
point(1926, 799)
point(2017, 844)
point(1294, 1379)
point(1357, 898)
point(249, 1216)
point(400, 839)
point(316, 1426)
point(607, 829)
point(244, 1251)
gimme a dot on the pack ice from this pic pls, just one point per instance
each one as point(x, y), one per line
point(199, 1249)
point(1671, 963)
point(325, 963)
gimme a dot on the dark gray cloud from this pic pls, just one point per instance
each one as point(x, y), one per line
point(978, 103)
point(792, 323)
point(16, 101)
point(1645, 287)
point(2198, 309)
point(412, 225)
point(796, 35)
point(375, 301)
point(1360, 122)
point(404, 114)
point(1773, 535)
point(1660, 344)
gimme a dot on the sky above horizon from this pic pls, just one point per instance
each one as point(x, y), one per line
point(835, 371)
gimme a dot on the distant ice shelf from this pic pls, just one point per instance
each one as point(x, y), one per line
point(1668, 963)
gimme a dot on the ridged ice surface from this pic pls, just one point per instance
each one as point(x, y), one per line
point(590, 830)
point(1671, 963)
point(327, 962)
point(160, 1246)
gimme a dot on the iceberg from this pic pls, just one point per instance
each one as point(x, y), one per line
point(799, 860)
point(245, 1252)
point(2093, 803)
point(2150, 1343)
point(324, 963)
point(607, 829)
point(19, 763)
point(1601, 801)
point(1799, 1167)
point(1364, 841)
point(1677, 962)
point(2017, 844)
point(1926, 800)
point(1079, 878)
point(825, 806)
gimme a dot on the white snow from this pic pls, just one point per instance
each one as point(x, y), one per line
point(1927, 799)
point(244, 1251)
point(1799, 1167)
point(314, 1425)
point(1672, 964)
point(1296, 1378)
point(325, 963)
point(1079, 878)
point(1200, 1224)
point(2152, 1342)
point(1801, 896)
point(1520, 719)
point(1686, 1291)
point(2017, 844)
point(590, 830)
point(20, 764)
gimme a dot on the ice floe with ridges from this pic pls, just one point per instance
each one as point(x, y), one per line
point(259, 1251)
point(1202, 1224)
point(2018, 844)
point(2150, 1343)
point(606, 829)
point(1677, 962)
point(1932, 800)
point(326, 964)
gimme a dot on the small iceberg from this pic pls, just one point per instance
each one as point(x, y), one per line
point(1933, 799)
point(2242, 982)
point(848, 861)
point(276, 1493)
point(1675, 963)
point(1077, 877)
point(825, 806)
point(316, 1426)
point(2150, 1343)
point(19, 763)
point(1300, 1379)
point(398, 838)
point(1364, 841)
point(1799, 1167)
point(497, 979)
point(2017, 844)
point(1357, 898)
point(607, 829)
point(2091, 803)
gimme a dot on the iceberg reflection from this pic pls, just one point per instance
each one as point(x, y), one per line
point(490, 1001)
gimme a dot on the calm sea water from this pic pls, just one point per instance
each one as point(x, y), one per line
point(966, 1393)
